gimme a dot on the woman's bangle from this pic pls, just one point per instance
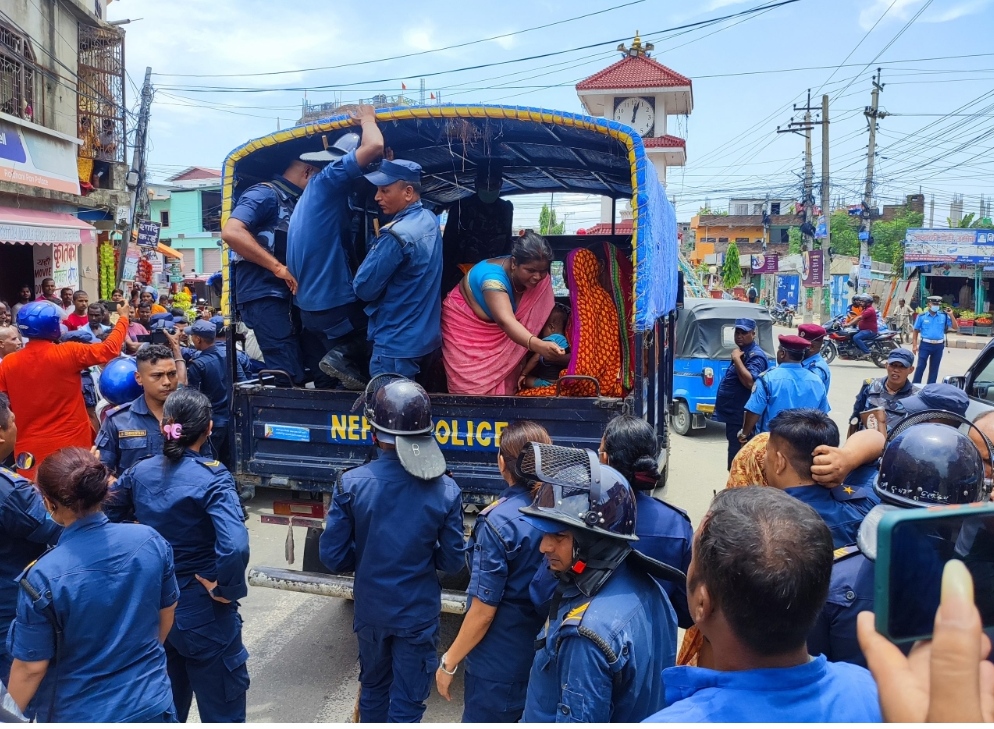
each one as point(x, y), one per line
point(528, 345)
point(442, 667)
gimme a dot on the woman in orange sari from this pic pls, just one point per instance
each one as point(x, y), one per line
point(491, 319)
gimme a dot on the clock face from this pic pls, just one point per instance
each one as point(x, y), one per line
point(637, 113)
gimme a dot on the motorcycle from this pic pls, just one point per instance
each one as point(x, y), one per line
point(783, 316)
point(839, 343)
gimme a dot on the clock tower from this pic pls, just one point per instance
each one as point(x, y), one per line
point(641, 92)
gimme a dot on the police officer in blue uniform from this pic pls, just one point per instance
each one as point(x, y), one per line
point(749, 361)
point(815, 335)
point(191, 501)
point(794, 435)
point(665, 533)
point(92, 613)
point(497, 636)
point(401, 276)
point(132, 430)
point(928, 464)
point(25, 529)
point(931, 327)
point(320, 253)
point(256, 235)
point(207, 371)
point(883, 392)
point(611, 629)
point(393, 522)
point(245, 366)
point(788, 385)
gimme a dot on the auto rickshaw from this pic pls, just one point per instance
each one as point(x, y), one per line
point(705, 339)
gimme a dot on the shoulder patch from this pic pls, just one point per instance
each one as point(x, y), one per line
point(847, 492)
point(493, 505)
point(845, 552)
point(575, 616)
point(213, 466)
point(110, 413)
point(132, 433)
point(869, 380)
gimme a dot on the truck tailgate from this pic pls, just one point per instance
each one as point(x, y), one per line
point(300, 439)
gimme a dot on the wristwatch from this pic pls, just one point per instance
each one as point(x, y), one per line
point(445, 669)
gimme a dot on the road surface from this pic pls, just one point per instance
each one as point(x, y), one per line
point(304, 664)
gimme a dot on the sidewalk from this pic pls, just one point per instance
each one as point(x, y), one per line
point(966, 341)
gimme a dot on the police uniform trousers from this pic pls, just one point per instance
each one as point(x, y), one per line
point(396, 668)
point(417, 368)
point(931, 353)
point(486, 701)
point(341, 327)
point(270, 319)
point(205, 657)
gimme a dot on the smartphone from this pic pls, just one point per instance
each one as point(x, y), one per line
point(913, 546)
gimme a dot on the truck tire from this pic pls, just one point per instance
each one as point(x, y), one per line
point(312, 552)
point(681, 419)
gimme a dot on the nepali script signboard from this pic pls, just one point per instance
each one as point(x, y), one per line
point(924, 246)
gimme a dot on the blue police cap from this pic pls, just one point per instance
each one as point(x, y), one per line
point(937, 396)
point(901, 356)
point(746, 325)
point(161, 317)
point(203, 328)
point(391, 171)
point(218, 321)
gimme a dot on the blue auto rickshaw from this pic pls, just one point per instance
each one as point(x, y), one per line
point(705, 340)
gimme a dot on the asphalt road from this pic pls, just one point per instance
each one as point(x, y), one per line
point(303, 663)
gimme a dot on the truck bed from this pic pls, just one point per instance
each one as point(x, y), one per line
point(301, 439)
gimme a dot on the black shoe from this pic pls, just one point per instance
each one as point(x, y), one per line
point(335, 364)
point(247, 493)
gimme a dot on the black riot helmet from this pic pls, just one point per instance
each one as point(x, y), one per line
point(399, 412)
point(594, 503)
point(931, 464)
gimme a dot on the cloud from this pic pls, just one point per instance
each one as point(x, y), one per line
point(904, 9)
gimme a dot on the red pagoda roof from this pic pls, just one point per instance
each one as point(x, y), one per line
point(667, 140)
point(633, 72)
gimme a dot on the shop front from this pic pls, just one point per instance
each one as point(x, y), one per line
point(956, 264)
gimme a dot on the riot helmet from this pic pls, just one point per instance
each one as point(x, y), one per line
point(346, 143)
point(39, 320)
point(117, 381)
point(399, 412)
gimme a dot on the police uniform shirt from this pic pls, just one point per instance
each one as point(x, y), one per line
point(503, 555)
point(817, 364)
point(192, 503)
point(106, 584)
point(816, 691)
point(317, 239)
point(208, 373)
point(874, 394)
point(26, 530)
point(259, 208)
point(732, 394)
point(602, 655)
point(401, 281)
point(785, 387)
point(933, 325)
point(849, 593)
point(130, 433)
point(842, 508)
point(665, 534)
point(392, 529)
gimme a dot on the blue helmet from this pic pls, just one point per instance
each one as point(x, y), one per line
point(117, 381)
point(39, 320)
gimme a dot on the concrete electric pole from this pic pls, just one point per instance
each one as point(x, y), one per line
point(825, 204)
point(136, 180)
point(872, 113)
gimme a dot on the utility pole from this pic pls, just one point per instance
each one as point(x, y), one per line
point(931, 212)
point(136, 175)
point(872, 113)
point(826, 244)
point(807, 227)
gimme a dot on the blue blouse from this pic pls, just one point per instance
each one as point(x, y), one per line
point(486, 276)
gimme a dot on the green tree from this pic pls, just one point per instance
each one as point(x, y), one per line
point(967, 221)
point(547, 224)
point(731, 272)
point(845, 234)
point(888, 238)
point(794, 240)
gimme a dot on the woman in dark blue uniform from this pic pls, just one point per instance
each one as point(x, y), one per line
point(630, 447)
point(191, 501)
point(93, 612)
point(498, 634)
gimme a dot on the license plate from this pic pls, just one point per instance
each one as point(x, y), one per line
point(705, 408)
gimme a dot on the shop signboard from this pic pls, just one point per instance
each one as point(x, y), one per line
point(812, 270)
point(765, 263)
point(952, 245)
point(59, 262)
point(148, 234)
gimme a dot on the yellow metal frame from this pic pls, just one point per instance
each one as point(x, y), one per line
point(422, 112)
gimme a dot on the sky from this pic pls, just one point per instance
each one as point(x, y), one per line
point(227, 71)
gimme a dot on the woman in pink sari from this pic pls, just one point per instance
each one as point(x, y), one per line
point(490, 321)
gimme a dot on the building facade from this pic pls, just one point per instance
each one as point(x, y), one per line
point(188, 207)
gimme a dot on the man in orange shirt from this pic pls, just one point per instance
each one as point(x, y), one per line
point(43, 382)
